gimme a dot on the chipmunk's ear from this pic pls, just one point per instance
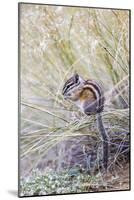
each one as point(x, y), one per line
point(76, 76)
point(81, 80)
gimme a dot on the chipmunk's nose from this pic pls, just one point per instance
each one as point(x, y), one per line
point(66, 96)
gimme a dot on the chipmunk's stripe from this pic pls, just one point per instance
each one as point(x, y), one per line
point(100, 93)
point(95, 87)
point(95, 93)
point(69, 86)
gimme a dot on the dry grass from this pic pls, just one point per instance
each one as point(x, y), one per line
point(55, 43)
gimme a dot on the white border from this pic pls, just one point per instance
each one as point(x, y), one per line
point(8, 99)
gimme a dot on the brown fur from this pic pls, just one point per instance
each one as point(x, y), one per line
point(87, 94)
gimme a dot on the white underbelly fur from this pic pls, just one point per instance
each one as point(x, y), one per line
point(80, 105)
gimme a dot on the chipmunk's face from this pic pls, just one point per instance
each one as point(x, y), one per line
point(73, 87)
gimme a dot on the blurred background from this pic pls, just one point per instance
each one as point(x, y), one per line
point(56, 139)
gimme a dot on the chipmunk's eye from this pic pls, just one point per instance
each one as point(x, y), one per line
point(68, 86)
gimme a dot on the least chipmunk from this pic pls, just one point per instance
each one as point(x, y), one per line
point(88, 95)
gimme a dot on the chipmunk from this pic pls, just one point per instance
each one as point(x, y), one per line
point(88, 95)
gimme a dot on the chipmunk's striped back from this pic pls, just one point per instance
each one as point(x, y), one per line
point(96, 88)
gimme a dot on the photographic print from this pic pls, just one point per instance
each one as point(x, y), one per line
point(74, 106)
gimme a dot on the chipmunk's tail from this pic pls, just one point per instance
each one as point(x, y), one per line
point(104, 138)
